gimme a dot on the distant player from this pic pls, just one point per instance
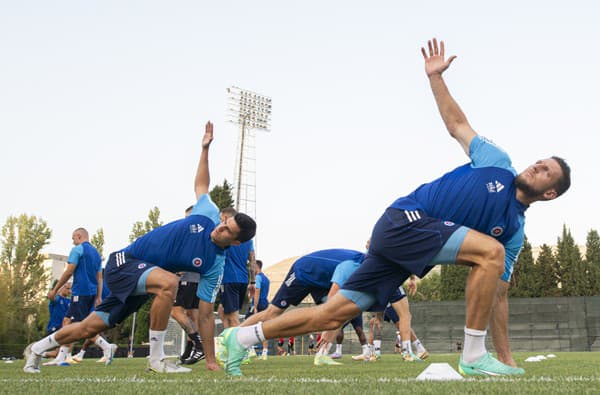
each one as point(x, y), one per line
point(259, 301)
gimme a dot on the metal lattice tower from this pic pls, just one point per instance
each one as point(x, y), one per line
point(250, 111)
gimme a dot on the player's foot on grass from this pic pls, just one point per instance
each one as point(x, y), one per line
point(109, 356)
point(196, 355)
point(336, 355)
point(487, 365)
point(361, 357)
point(77, 358)
point(424, 354)
point(232, 352)
point(325, 360)
point(53, 362)
point(164, 366)
point(71, 361)
point(410, 357)
point(32, 360)
point(102, 360)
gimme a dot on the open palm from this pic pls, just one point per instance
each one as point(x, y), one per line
point(434, 58)
point(208, 135)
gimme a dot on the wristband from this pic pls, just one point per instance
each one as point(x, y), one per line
point(252, 282)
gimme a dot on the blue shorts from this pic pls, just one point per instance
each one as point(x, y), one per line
point(232, 296)
point(292, 292)
point(186, 295)
point(81, 306)
point(402, 245)
point(124, 273)
point(390, 315)
point(113, 311)
point(357, 322)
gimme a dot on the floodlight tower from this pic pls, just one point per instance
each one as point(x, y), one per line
point(250, 111)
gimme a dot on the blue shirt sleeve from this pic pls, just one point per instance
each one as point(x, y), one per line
point(512, 248)
point(205, 206)
point(258, 282)
point(343, 271)
point(484, 153)
point(76, 253)
point(251, 245)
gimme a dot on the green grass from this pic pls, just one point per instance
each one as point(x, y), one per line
point(574, 373)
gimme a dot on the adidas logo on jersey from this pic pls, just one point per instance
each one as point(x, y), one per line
point(196, 228)
point(495, 186)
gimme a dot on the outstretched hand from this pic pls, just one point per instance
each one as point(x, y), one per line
point(434, 61)
point(208, 135)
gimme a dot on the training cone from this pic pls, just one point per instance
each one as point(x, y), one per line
point(439, 371)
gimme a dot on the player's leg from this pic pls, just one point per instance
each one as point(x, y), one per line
point(268, 314)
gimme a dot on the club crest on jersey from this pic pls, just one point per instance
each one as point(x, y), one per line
point(141, 265)
point(448, 223)
point(197, 262)
point(496, 231)
point(283, 303)
point(196, 228)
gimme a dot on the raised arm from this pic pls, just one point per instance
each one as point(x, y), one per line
point(202, 180)
point(455, 120)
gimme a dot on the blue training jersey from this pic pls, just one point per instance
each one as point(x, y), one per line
point(236, 263)
point(480, 195)
point(183, 245)
point(263, 283)
point(58, 309)
point(87, 263)
point(316, 269)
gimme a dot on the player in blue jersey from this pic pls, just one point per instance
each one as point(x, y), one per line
point(473, 215)
point(58, 308)
point(238, 277)
point(197, 243)
point(259, 300)
point(85, 266)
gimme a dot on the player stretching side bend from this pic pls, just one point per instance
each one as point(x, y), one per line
point(196, 243)
point(474, 215)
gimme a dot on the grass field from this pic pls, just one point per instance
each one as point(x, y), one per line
point(574, 373)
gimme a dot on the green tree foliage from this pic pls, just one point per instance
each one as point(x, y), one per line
point(429, 288)
point(549, 279)
point(23, 278)
point(592, 262)
point(143, 315)
point(569, 265)
point(525, 282)
point(222, 195)
point(453, 281)
point(97, 241)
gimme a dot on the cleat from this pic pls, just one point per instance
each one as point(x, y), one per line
point(64, 363)
point(102, 360)
point(374, 358)
point(195, 356)
point(187, 352)
point(110, 355)
point(325, 360)
point(233, 351)
point(487, 365)
point(53, 362)
point(77, 359)
point(220, 351)
point(263, 357)
point(164, 366)
point(336, 355)
point(32, 360)
point(410, 357)
point(361, 357)
point(71, 361)
point(252, 353)
point(424, 355)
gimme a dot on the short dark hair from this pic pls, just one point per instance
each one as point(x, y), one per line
point(189, 209)
point(247, 227)
point(259, 263)
point(564, 182)
point(229, 211)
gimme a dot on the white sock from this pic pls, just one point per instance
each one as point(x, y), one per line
point(248, 336)
point(47, 343)
point(63, 353)
point(103, 344)
point(474, 347)
point(338, 348)
point(157, 339)
point(265, 351)
point(81, 353)
point(377, 346)
point(406, 346)
point(365, 350)
point(418, 346)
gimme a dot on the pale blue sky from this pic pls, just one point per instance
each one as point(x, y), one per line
point(103, 103)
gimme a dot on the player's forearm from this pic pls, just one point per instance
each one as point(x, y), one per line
point(202, 179)
point(450, 111)
point(251, 271)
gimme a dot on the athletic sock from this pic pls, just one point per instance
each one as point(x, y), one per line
point(80, 354)
point(474, 347)
point(195, 338)
point(365, 350)
point(248, 336)
point(47, 343)
point(418, 346)
point(406, 347)
point(338, 349)
point(377, 346)
point(157, 339)
point(103, 344)
point(63, 353)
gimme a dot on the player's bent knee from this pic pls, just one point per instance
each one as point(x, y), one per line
point(495, 257)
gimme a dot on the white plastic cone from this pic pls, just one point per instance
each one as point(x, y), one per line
point(439, 371)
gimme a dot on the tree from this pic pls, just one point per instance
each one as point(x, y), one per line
point(98, 241)
point(429, 288)
point(570, 265)
point(549, 279)
point(592, 262)
point(143, 315)
point(453, 281)
point(23, 277)
point(222, 195)
point(524, 282)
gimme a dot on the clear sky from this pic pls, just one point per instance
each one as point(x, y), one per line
point(103, 105)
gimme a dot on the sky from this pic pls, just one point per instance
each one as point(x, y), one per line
point(103, 106)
